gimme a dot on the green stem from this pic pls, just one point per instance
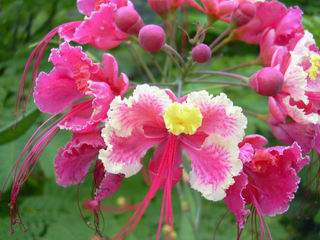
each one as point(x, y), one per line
point(224, 74)
point(220, 37)
point(172, 52)
point(142, 63)
point(256, 61)
point(217, 82)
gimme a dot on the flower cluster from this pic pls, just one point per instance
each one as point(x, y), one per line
point(197, 134)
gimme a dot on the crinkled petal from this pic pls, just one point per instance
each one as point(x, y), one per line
point(277, 181)
point(144, 108)
point(124, 154)
point(236, 201)
point(108, 186)
point(102, 96)
point(213, 165)
point(219, 115)
point(55, 91)
point(99, 29)
point(73, 161)
point(255, 140)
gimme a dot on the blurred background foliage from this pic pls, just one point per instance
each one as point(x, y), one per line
point(52, 212)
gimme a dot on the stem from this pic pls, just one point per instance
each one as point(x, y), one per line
point(221, 44)
point(172, 52)
point(220, 37)
point(142, 63)
point(225, 83)
point(262, 117)
point(256, 61)
point(224, 74)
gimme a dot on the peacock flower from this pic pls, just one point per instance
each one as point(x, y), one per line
point(268, 180)
point(208, 129)
point(77, 93)
point(162, 7)
point(300, 94)
point(217, 9)
point(268, 15)
point(75, 77)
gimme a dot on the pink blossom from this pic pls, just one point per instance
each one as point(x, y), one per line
point(207, 128)
point(268, 16)
point(164, 6)
point(294, 112)
point(73, 77)
point(217, 9)
point(268, 180)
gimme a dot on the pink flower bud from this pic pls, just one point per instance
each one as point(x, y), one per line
point(244, 13)
point(92, 205)
point(159, 6)
point(267, 81)
point(128, 20)
point(152, 38)
point(201, 53)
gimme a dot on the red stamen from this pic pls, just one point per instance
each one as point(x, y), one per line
point(163, 177)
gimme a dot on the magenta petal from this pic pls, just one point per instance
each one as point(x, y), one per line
point(73, 161)
point(86, 7)
point(55, 91)
point(109, 185)
point(235, 199)
point(99, 29)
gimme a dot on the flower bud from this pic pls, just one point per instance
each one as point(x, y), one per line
point(267, 81)
point(244, 13)
point(201, 53)
point(92, 205)
point(159, 6)
point(152, 38)
point(128, 20)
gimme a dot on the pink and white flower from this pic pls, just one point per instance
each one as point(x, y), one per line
point(268, 180)
point(208, 129)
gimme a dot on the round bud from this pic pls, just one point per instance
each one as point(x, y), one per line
point(267, 81)
point(160, 7)
point(244, 13)
point(201, 53)
point(128, 20)
point(152, 38)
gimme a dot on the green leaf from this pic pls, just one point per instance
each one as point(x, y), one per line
point(18, 127)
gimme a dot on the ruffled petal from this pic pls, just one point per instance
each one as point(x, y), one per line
point(274, 180)
point(124, 154)
point(102, 96)
point(219, 115)
point(73, 161)
point(144, 109)
point(109, 73)
point(99, 29)
point(236, 201)
point(54, 92)
point(213, 165)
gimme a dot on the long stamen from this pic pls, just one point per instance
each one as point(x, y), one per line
point(36, 57)
point(165, 171)
point(32, 153)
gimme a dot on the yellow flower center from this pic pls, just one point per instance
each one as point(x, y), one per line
point(182, 118)
point(315, 66)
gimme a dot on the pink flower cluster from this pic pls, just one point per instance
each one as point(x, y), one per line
point(113, 133)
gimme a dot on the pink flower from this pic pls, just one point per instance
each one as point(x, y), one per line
point(268, 16)
point(74, 77)
point(164, 6)
point(207, 128)
point(217, 9)
point(283, 38)
point(83, 90)
point(268, 181)
point(98, 29)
